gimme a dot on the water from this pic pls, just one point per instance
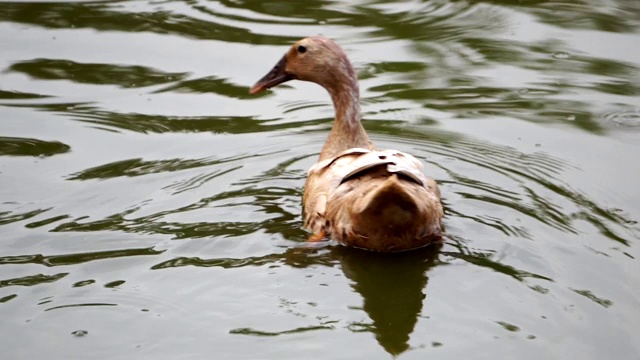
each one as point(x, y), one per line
point(150, 207)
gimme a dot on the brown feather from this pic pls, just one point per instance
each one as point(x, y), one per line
point(372, 205)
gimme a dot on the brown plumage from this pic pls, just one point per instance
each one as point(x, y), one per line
point(374, 199)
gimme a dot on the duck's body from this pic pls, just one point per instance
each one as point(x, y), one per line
point(362, 197)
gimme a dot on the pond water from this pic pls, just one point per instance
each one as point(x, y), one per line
point(150, 207)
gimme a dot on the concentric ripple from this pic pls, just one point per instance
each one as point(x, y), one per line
point(150, 207)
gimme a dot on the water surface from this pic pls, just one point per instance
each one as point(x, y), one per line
point(150, 207)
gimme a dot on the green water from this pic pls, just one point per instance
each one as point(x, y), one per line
point(150, 207)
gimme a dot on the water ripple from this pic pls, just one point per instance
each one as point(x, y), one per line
point(626, 119)
point(174, 193)
point(13, 146)
point(97, 74)
point(74, 259)
point(32, 280)
point(113, 17)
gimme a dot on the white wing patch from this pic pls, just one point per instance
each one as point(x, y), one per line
point(344, 165)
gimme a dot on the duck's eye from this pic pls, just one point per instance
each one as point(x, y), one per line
point(302, 49)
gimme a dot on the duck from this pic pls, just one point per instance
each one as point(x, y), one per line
point(355, 194)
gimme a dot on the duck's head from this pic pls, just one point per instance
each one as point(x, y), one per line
point(316, 59)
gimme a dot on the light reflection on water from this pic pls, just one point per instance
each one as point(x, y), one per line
point(143, 189)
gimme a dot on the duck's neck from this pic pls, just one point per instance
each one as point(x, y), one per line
point(347, 131)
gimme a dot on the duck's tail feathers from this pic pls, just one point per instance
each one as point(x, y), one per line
point(390, 205)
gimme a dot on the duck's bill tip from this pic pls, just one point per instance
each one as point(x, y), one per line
point(269, 81)
point(276, 76)
point(257, 88)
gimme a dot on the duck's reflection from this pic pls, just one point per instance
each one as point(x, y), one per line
point(392, 285)
point(393, 289)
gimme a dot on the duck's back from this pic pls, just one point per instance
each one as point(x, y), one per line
point(378, 200)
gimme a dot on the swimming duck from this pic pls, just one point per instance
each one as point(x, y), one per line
point(362, 197)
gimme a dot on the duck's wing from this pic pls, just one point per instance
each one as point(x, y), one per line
point(346, 177)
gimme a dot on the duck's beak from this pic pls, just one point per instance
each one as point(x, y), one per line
point(276, 76)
